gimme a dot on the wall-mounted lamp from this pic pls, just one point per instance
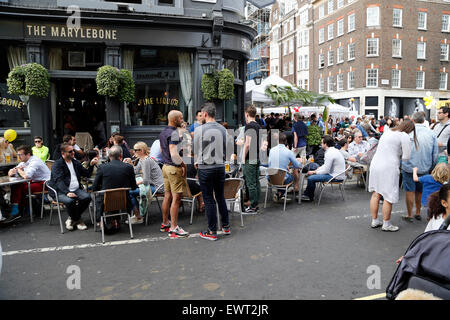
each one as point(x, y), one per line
point(208, 68)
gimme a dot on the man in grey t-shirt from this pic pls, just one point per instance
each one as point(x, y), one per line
point(442, 129)
point(209, 153)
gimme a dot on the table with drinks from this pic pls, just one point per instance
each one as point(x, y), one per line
point(9, 181)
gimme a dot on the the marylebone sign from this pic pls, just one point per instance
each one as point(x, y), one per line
point(43, 31)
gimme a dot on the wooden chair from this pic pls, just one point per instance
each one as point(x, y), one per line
point(276, 181)
point(359, 171)
point(114, 200)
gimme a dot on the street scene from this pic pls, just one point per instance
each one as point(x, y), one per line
point(224, 150)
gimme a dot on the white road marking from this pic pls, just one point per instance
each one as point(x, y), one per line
point(96, 245)
point(368, 215)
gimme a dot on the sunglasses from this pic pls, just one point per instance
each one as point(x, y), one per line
point(37, 141)
point(71, 151)
point(138, 150)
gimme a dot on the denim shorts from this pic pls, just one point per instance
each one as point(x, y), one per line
point(409, 184)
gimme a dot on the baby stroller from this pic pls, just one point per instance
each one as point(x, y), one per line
point(425, 265)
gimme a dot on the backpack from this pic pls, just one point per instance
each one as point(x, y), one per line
point(367, 158)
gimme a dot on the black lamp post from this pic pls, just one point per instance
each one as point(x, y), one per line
point(257, 80)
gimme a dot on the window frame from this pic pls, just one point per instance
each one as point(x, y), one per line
point(349, 51)
point(425, 14)
point(424, 50)
point(377, 41)
point(350, 80)
point(372, 23)
point(399, 79)
point(446, 80)
point(400, 25)
point(368, 78)
point(423, 79)
point(400, 49)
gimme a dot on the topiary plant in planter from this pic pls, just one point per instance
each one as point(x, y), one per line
point(226, 85)
point(29, 79)
point(16, 80)
point(210, 86)
point(37, 80)
point(115, 83)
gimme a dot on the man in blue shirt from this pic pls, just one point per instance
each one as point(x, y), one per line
point(300, 131)
point(424, 158)
point(199, 118)
point(279, 158)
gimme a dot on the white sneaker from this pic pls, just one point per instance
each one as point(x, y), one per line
point(81, 226)
point(376, 224)
point(135, 220)
point(69, 224)
point(389, 228)
point(178, 232)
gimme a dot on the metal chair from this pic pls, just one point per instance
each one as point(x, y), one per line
point(153, 196)
point(189, 197)
point(233, 192)
point(333, 181)
point(53, 200)
point(276, 181)
point(114, 200)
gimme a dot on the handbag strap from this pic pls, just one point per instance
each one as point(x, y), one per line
point(445, 224)
point(442, 130)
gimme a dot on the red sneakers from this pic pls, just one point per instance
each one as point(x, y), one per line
point(208, 235)
point(164, 228)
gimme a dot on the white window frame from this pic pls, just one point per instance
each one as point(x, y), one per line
point(340, 82)
point(394, 85)
point(350, 51)
point(291, 45)
point(340, 28)
point(351, 23)
point(373, 16)
point(400, 17)
point(330, 31)
point(424, 50)
point(446, 19)
point(306, 62)
point(300, 39)
point(321, 11)
point(374, 54)
point(399, 55)
point(285, 69)
point(285, 48)
point(305, 37)
point(330, 84)
point(330, 58)
point(351, 80)
point(291, 67)
point(422, 80)
point(444, 45)
point(370, 79)
point(321, 85)
point(425, 15)
point(321, 58)
point(443, 87)
point(340, 55)
point(321, 35)
point(340, 3)
point(300, 62)
point(330, 6)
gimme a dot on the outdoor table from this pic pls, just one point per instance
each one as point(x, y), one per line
point(8, 181)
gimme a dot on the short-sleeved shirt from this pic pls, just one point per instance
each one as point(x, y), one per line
point(193, 126)
point(252, 130)
point(301, 130)
point(429, 186)
point(166, 138)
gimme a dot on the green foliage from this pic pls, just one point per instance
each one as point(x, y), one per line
point(325, 119)
point(115, 83)
point(210, 86)
point(16, 81)
point(37, 80)
point(30, 79)
point(226, 85)
point(127, 86)
point(287, 94)
point(314, 136)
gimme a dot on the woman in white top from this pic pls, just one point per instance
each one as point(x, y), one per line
point(384, 176)
point(438, 208)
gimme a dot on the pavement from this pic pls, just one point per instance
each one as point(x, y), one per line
point(326, 252)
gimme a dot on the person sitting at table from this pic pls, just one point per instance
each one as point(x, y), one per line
point(10, 149)
point(118, 141)
point(91, 155)
point(32, 168)
point(151, 178)
point(66, 180)
point(39, 150)
point(111, 175)
point(3, 149)
point(279, 158)
point(334, 165)
point(359, 146)
point(344, 150)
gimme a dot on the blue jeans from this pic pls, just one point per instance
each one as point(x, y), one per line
point(75, 206)
point(311, 187)
point(135, 193)
point(212, 183)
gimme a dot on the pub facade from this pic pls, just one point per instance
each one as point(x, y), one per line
point(164, 43)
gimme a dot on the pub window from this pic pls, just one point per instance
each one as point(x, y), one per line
point(126, 1)
point(372, 101)
point(13, 109)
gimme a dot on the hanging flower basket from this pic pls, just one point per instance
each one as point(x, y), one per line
point(30, 79)
point(209, 86)
point(115, 83)
point(226, 85)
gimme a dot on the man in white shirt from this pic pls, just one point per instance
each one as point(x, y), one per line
point(32, 168)
point(334, 166)
point(359, 146)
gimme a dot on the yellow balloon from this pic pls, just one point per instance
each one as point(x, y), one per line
point(10, 135)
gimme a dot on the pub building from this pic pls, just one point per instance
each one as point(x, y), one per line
point(166, 44)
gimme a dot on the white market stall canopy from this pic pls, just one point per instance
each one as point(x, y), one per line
point(256, 93)
point(335, 110)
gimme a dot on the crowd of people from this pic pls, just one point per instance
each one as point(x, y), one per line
point(412, 150)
